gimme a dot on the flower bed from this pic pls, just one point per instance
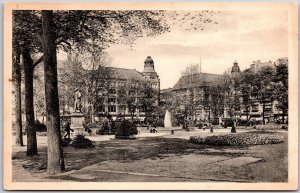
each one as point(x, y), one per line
point(244, 139)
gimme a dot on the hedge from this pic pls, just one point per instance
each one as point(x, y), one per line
point(81, 142)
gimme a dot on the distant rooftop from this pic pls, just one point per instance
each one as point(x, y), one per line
point(126, 74)
point(195, 79)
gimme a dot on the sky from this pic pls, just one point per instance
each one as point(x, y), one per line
point(244, 36)
point(241, 36)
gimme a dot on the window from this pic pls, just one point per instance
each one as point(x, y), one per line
point(255, 108)
point(101, 109)
point(111, 100)
point(111, 91)
point(112, 108)
point(131, 92)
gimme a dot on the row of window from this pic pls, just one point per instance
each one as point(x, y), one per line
point(122, 83)
point(113, 108)
point(113, 91)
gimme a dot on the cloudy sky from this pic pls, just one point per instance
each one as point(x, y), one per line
point(245, 36)
point(242, 36)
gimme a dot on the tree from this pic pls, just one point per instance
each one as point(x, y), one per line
point(17, 85)
point(67, 29)
point(55, 162)
point(206, 100)
point(147, 100)
point(247, 77)
point(195, 83)
point(30, 122)
point(280, 86)
point(217, 93)
point(262, 87)
point(231, 83)
point(128, 95)
point(25, 30)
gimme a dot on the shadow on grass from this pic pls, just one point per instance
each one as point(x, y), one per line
point(126, 151)
point(119, 150)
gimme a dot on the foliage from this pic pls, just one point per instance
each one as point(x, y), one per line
point(109, 128)
point(217, 98)
point(280, 86)
point(41, 127)
point(126, 130)
point(245, 139)
point(81, 142)
point(66, 141)
point(92, 125)
point(232, 93)
point(247, 77)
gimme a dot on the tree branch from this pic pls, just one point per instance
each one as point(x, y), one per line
point(38, 61)
point(63, 41)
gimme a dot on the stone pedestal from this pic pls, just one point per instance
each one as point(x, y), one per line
point(77, 120)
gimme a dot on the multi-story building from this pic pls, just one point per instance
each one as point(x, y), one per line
point(126, 82)
point(190, 89)
point(189, 94)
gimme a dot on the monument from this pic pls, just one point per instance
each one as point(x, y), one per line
point(167, 121)
point(77, 118)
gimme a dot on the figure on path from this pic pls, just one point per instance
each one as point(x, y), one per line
point(68, 130)
point(77, 101)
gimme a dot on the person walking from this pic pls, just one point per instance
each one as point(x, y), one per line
point(68, 130)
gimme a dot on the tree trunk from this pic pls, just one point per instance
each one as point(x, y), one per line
point(263, 113)
point(247, 115)
point(30, 125)
point(283, 113)
point(55, 163)
point(18, 109)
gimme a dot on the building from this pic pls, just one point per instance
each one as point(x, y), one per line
point(189, 93)
point(127, 82)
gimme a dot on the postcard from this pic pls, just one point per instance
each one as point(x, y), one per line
point(150, 96)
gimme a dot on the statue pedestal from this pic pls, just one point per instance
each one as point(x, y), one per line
point(77, 120)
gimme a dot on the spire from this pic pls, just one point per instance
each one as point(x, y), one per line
point(235, 68)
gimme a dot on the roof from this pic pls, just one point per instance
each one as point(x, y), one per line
point(126, 74)
point(195, 79)
point(166, 90)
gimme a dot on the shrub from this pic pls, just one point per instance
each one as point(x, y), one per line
point(109, 128)
point(237, 139)
point(40, 127)
point(92, 125)
point(284, 127)
point(126, 130)
point(160, 123)
point(115, 126)
point(66, 142)
point(81, 142)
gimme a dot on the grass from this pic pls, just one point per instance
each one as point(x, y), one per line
point(173, 159)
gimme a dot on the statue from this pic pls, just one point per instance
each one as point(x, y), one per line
point(77, 101)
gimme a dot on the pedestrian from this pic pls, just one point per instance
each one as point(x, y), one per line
point(68, 130)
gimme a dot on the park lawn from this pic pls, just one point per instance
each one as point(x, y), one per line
point(163, 159)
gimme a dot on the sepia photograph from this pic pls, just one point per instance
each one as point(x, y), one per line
point(150, 96)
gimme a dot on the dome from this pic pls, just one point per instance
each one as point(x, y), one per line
point(149, 61)
point(149, 66)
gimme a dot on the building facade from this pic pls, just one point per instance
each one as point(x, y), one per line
point(125, 93)
point(189, 94)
